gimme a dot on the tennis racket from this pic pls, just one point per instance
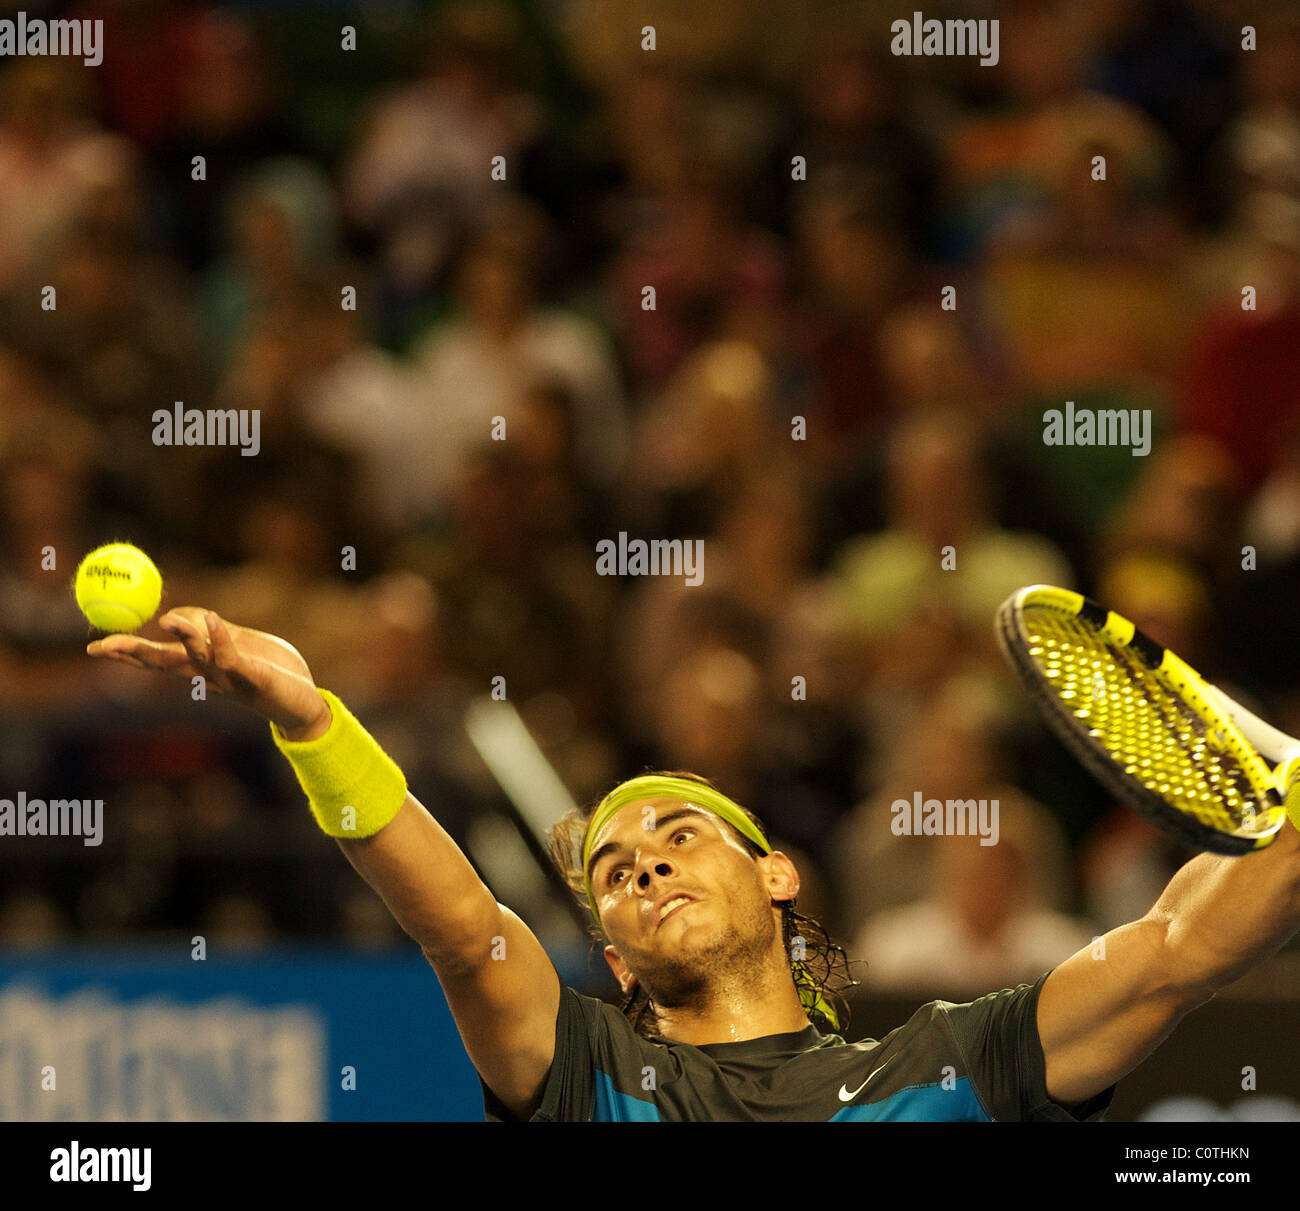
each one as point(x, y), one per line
point(1158, 736)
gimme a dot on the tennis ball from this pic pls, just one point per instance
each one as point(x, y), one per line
point(118, 588)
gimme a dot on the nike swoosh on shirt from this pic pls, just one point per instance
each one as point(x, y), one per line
point(846, 1096)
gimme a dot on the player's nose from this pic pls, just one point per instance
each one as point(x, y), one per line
point(651, 866)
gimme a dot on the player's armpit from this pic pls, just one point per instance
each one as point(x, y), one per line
point(1105, 1009)
point(505, 1006)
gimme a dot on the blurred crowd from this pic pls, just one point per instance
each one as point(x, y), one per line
point(795, 397)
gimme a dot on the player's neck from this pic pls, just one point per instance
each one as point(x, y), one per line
point(735, 1009)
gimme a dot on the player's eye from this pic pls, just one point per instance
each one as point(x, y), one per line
point(613, 878)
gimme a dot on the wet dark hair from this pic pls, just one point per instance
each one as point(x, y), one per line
point(825, 965)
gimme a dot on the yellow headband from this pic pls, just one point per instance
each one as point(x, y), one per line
point(654, 786)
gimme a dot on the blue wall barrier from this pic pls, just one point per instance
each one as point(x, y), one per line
point(153, 1036)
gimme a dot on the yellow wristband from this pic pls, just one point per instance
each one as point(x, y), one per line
point(354, 788)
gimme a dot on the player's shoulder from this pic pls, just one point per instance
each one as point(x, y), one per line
point(986, 1006)
point(939, 1024)
point(597, 1014)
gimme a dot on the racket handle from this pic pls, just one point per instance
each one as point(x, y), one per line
point(1288, 785)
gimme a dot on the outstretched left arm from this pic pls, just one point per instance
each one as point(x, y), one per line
point(1099, 1017)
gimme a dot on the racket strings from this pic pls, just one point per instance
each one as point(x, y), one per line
point(1141, 722)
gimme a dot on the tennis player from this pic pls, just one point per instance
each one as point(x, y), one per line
point(730, 1012)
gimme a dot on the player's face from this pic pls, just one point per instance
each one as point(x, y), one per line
point(673, 883)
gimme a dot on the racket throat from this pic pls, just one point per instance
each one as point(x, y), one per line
point(1273, 745)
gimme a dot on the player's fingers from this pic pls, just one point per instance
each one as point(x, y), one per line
point(179, 623)
point(96, 649)
point(224, 653)
point(190, 615)
point(160, 661)
point(144, 653)
point(167, 658)
point(117, 644)
point(193, 635)
point(187, 622)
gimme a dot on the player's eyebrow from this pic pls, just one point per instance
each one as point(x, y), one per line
point(660, 821)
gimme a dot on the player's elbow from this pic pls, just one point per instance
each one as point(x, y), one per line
point(1186, 967)
point(461, 941)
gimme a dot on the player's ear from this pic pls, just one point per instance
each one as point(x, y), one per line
point(780, 876)
point(622, 972)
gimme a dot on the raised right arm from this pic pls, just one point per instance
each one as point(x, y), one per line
point(502, 988)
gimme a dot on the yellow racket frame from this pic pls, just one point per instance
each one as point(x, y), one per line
point(1154, 787)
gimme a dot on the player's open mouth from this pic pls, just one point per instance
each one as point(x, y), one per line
point(672, 906)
